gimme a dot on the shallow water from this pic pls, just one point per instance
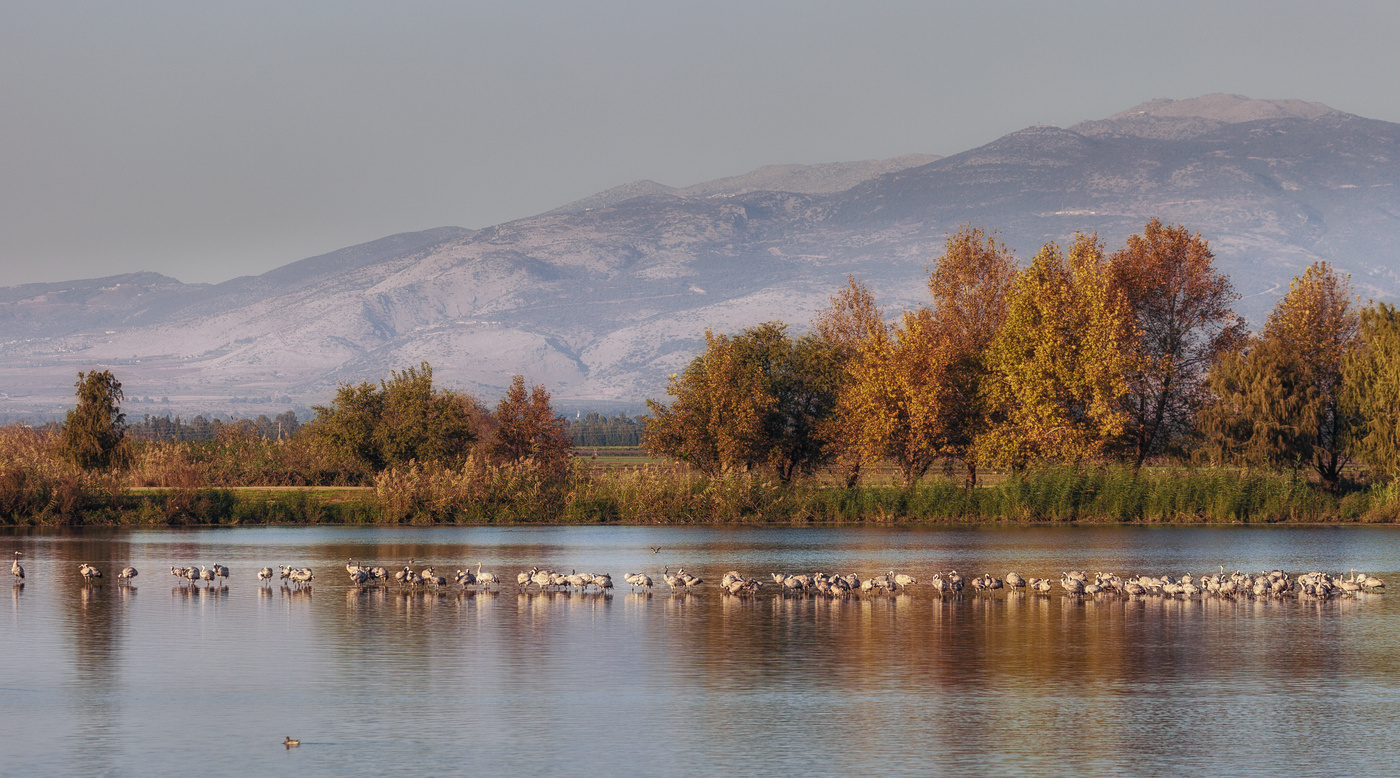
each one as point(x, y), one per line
point(158, 678)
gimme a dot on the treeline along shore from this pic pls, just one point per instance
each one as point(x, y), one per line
point(1083, 386)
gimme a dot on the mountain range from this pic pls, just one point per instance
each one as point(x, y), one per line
point(603, 298)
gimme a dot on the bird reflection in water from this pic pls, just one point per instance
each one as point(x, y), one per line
point(356, 596)
point(301, 593)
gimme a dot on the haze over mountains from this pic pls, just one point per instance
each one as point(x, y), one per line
point(603, 298)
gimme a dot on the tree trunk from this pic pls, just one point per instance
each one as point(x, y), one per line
point(853, 476)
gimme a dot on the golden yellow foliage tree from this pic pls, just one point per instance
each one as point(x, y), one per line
point(1060, 361)
point(897, 402)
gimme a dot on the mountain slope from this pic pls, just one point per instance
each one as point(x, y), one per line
point(602, 302)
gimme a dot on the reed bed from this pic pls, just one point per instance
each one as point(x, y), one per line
point(183, 483)
point(38, 486)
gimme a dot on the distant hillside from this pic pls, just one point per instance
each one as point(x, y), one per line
point(803, 179)
point(603, 301)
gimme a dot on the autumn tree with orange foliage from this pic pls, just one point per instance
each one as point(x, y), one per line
point(1181, 307)
point(715, 423)
point(1060, 361)
point(915, 392)
point(526, 427)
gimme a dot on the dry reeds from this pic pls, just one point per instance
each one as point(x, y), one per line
point(38, 486)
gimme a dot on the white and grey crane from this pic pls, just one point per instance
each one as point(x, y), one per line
point(486, 577)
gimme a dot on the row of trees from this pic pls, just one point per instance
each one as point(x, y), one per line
point(1081, 356)
point(200, 429)
point(594, 429)
point(366, 427)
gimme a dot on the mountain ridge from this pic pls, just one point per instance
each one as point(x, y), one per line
point(603, 302)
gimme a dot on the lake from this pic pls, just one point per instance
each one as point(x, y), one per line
point(160, 677)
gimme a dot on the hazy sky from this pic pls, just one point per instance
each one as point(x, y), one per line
point(210, 140)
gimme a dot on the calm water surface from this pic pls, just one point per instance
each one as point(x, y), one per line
point(159, 679)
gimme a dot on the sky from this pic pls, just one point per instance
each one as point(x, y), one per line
point(211, 140)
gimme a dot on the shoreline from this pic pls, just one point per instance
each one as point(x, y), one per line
point(1062, 496)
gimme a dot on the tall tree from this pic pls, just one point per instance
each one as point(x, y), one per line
point(969, 284)
point(1372, 386)
point(419, 422)
point(93, 434)
point(1317, 320)
point(526, 426)
point(1060, 360)
point(802, 377)
point(850, 318)
point(849, 321)
point(1182, 309)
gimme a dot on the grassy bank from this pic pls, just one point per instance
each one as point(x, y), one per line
point(482, 494)
point(242, 482)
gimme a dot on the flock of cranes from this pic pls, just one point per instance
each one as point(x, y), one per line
point(1276, 583)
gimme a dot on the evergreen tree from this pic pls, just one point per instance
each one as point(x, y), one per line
point(93, 434)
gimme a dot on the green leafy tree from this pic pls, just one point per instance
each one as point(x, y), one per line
point(759, 398)
point(802, 378)
point(1282, 402)
point(403, 419)
point(93, 435)
point(1317, 320)
point(346, 427)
